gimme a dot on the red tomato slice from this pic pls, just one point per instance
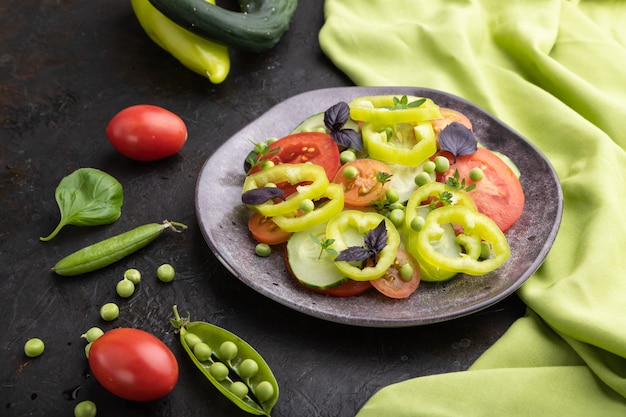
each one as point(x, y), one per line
point(499, 195)
point(392, 285)
point(449, 116)
point(264, 230)
point(361, 190)
point(347, 289)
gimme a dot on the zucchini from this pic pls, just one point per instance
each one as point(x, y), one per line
point(257, 28)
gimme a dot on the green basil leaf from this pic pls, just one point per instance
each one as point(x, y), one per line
point(87, 197)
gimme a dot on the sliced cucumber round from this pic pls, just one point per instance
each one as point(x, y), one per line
point(315, 123)
point(309, 263)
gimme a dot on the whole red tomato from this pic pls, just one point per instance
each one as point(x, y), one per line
point(133, 364)
point(146, 133)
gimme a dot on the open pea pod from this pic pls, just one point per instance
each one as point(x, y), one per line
point(242, 362)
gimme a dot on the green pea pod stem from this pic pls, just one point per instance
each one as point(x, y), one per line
point(214, 336)
point(108, 251)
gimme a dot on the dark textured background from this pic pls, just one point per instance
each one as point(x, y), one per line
point(65, 69)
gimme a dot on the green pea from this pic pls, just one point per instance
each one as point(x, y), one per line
point(125, 288)
point(264, 391)
point(406, 272)
point(396, 205)
point(87, 349)
point(270, 185)
point(192, 339)
point(92, 334)
point(202, 351)
point(166, 273)
point(34, 347)
point(417, 223)
point(429, 166)
point(263, 249)
point(392, 195)
point(267, 164)
point(347, 156)
point(476, 174)
point(306, 205)
point(442, 164)
point(228, 351)
point(422, 178)
point(133, 275)
point(397, 216)
point(219, 371)
point(239, 389)
point(248, 368)
point(109, 311)
point(350, 172)
point(85, 409)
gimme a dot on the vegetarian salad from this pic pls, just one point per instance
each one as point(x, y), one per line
point(385, 191)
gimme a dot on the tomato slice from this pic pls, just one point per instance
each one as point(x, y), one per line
point(448, 116)
point(347, 289)
point(392, 285)
point(499, 195)
point(264, 230)
point(361, 190)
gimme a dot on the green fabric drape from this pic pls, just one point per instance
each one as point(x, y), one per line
point(555, 71)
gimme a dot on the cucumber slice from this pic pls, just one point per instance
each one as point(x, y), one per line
point(315, 123)
point(306, 264)
point(509, 162)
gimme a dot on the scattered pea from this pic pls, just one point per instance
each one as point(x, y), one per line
point(396, 205)
point(166, 273)
point(219, 371)
point(476, 174)
point(109, 311)
point(442, 164)
point(262, 249)
point(248, 368)
point(347, 156)
point(125, 288)
point(397, 216)
point(239, 389)
point(417, 223)
point(202, 351)
point(133, 275)
point(429, 166)
point(92, 334)
point(306, 205)
point(271, 140)
point(422, 178)
point(192, 339)
point(85, 409)
point(350, 172)
point(87, 349)
point(267, 164)
point(34, 347)
point(264, 391)
point(228, 351)
point(270, 185)
point(392, 195)
point(406, 272)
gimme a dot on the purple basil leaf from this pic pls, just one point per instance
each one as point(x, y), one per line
point(353, 254)
point(376, 239)
point(261, 195)
point(348, 138)
point(458, 140)
point(336, 116)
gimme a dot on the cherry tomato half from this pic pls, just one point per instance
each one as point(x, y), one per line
point(264, 230)
point(391, 284)
point(364, 188)
point(499, 194)
point(146, 133)
point(133, 364)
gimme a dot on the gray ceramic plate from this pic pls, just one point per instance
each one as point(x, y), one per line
point(223, 221)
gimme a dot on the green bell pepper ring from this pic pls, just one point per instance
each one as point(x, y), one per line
point(406, 144)
point(313, 176)
point(476, 227)
point(348, 228)
point(383, 110)
point(321, 214)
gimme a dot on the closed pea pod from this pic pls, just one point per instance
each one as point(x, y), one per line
point(111, 250)
point(228, 368)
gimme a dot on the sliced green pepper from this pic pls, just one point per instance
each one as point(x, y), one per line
point(321, 214)
point(403, 143)
point(476, 228)
point(383, 109)
point(313, 176)
point(348, 229)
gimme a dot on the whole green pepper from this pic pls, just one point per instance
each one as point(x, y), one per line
point(234, 367)
point(203, 56)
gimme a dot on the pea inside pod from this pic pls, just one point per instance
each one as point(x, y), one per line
point(232, 362)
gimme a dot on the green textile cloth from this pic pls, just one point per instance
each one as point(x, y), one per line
point(555, 71)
